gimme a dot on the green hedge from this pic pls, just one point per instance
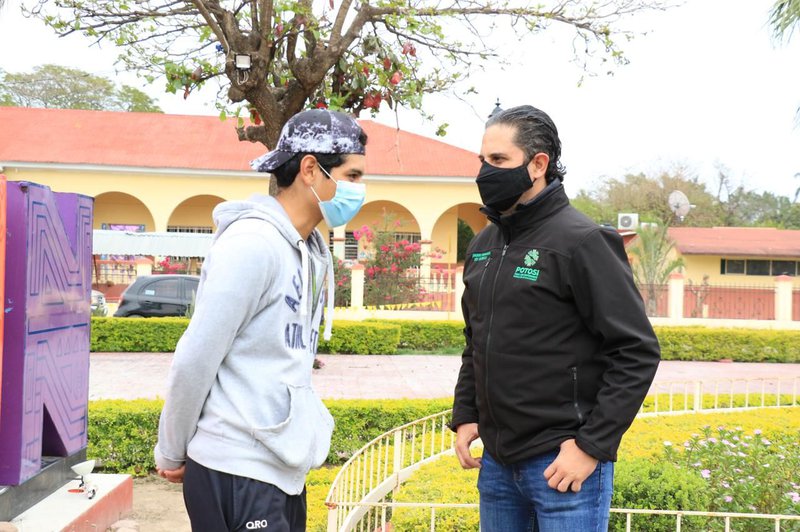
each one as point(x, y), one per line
point(740, 345)
point(122, 434)
point(387, 336)
point(136, 335)
point(161, 335)
point(360, 338)
point(428, 335)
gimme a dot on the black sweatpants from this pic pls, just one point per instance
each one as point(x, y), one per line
point(221, 502)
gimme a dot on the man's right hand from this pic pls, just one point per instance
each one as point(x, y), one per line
point(465, 435)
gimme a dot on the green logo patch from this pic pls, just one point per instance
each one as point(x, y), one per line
point(530, 274)
point(477, 257)
point(531, 257)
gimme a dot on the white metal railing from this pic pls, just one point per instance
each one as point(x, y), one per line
point(357, 499)
point(681, 397)
point(381, 513)
point(381, 466)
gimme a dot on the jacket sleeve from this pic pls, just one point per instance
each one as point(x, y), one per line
point(464, 408)
point(611, 307)
point(236, 274)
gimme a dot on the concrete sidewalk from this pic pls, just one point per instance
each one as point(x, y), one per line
point(144, 375)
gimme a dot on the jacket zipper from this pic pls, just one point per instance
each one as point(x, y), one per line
point(575, 393)
point(488, 350)
point(483, 274)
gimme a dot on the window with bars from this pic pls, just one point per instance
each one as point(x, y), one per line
point(189, 229)
point(760, 267)
point(350, 245)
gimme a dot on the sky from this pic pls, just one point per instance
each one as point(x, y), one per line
point(707, 87)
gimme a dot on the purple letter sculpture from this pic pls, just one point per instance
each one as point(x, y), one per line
point(45, 357)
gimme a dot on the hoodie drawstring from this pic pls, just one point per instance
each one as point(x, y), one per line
point(304, 278)
point(329, 310)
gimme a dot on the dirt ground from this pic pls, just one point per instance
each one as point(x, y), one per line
point(158, 506)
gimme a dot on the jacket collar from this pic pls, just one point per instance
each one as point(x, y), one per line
point(549, 201)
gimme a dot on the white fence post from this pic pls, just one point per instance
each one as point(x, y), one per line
point(675, 296)
point(783, 298)
point(425, 260)
point(459, 291)
point(357, 286)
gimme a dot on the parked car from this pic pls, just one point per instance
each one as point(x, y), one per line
point(153, 296)
point(98, 304)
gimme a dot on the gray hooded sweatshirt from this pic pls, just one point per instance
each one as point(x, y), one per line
point(240, 399)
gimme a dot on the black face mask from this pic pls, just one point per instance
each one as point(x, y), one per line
point(500, 188)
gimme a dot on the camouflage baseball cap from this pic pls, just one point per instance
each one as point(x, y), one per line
point(313, 131)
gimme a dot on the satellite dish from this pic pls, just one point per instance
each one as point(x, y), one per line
point(679, 204)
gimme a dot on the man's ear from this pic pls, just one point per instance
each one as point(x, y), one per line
point(308, 167)
point(537, 168)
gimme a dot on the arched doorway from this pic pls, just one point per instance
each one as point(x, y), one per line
point(120, 211)
point(193, 215)
point(452, 232)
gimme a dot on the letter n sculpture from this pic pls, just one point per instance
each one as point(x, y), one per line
point(45, 356)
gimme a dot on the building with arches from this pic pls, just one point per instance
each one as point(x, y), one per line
point(156, 173)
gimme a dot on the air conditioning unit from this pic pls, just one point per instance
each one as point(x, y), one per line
point(648, 225)
point(627, 220)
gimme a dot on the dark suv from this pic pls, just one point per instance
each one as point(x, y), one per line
point(152, 296)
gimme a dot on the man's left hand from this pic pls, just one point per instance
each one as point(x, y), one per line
point(570, 468)
point(173, 475)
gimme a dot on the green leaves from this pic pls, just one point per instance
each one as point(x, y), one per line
point(54, 86)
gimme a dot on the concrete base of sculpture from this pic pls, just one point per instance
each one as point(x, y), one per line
point(70, 508)
point(55, 473)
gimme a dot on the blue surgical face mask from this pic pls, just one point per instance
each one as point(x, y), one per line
point(344, 205)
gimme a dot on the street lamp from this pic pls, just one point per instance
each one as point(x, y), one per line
point(496, 109)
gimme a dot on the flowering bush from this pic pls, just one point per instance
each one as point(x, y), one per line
point(388, 271)
point(342, 277)
point(167, 266)
point(744, 472)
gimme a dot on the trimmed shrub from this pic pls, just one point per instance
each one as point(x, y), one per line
point(740, 345)
point(161, 335)
point(361, 338)
point(137, 335)
point(386, 336)
point(122, 434)
point(640, 483)
point(428, 335)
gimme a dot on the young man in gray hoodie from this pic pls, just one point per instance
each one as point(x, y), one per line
point(241, 425)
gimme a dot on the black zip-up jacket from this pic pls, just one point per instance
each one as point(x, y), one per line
point(558, 344)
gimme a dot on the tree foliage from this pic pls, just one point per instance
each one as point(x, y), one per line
point(728, 206)
point(648, 196)
point(341, 54)
point(54, 86)
point(784, 18)
point(653, 262)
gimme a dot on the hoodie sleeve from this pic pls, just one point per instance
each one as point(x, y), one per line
point(610, 305)
point(239, 269)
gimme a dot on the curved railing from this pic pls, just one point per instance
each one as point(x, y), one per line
point(361, 493)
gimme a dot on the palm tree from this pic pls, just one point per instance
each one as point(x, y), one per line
point(652, 263)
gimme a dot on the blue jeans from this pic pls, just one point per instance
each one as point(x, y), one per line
point(516, 498)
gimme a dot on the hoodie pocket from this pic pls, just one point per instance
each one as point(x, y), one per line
point(303, 439)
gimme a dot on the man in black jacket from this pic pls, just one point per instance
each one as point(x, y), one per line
point(559, 352)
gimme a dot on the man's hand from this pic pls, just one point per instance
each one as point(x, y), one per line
point(570, 468)
point(173, 475)
point(465, 435)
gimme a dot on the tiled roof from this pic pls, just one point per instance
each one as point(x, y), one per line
point(739, 241)
point(152, 140)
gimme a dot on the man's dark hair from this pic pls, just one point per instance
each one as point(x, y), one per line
point(286, 173)
point(535, 133)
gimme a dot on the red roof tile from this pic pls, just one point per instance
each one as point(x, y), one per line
point(194, 142)
point(740, 241)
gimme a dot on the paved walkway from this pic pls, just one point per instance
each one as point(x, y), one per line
point(144, 375)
